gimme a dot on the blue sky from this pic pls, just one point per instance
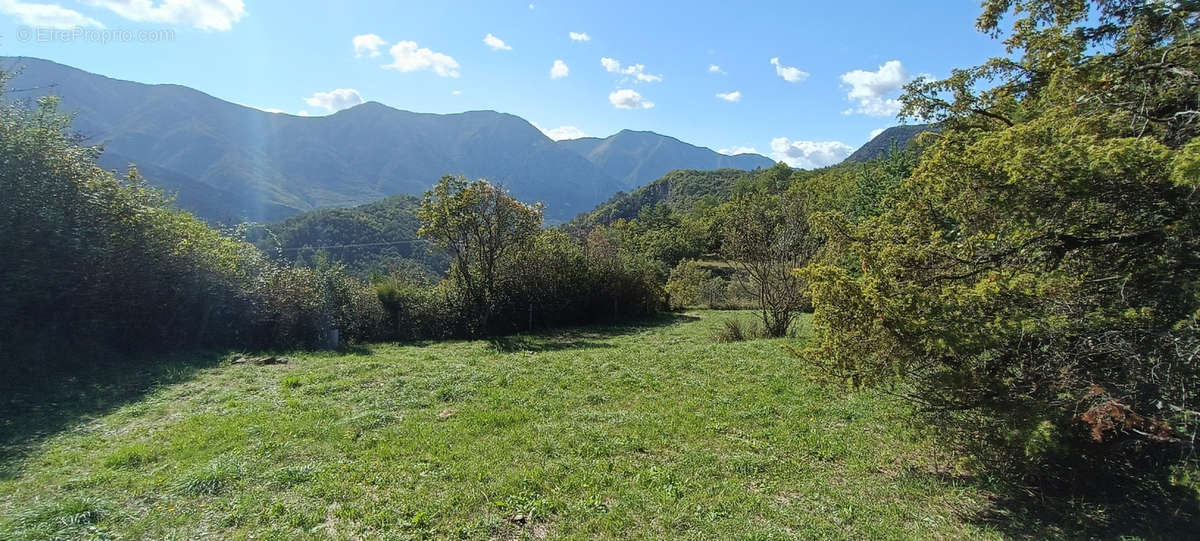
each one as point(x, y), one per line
point(802, 81)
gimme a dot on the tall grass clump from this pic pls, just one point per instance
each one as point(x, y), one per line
point(735, 330)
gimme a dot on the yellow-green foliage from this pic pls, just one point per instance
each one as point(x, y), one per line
point(1044, 246)
point(687, 280)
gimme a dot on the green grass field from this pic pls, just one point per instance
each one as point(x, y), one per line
point(648, 431)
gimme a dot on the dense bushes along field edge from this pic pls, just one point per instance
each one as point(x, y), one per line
point(95, 262)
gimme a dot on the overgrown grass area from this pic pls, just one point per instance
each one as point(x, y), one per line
point(648, 431)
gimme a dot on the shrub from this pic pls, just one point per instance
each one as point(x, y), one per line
point(544, 279)
point(417, 311)
point(98, 262)
point(767, 236)
point(1034, 282)
point(713, 293)
point(736, 330)
point(688, 278)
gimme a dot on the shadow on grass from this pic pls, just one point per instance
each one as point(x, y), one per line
point(1146, 507)
point(585, 336)
point(1149, 508)
point(511, 344)
point(35, 406)
point(639, 325)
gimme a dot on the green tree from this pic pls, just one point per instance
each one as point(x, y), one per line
point(767, 237)
point(1034, 281)
point(96, 263)
point(480, 225)
point(688, 279)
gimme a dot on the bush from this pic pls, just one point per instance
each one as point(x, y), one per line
point(767, 236)
point(1035, 281)
point(736, 330)
point(554, 281)
point(100, 263)
point(420, 311)
point(713, 293)
point(508, 275)
point(688, 279)
point(95, 262)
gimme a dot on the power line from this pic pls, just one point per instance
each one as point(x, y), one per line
point(360, 245)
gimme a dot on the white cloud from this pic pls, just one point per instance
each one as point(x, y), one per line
point(730, 96)
point(579, 36)
point(713, 68)
point(496, 43)
point(789, 73)
point(875, 133)
point(531, 6)
point(868, 84)
point(870, 88)
point(563, 132)
point(809, 154)
point(646, 77)
point(637, 71)
point(628, 99)
point(456, 92)
point(202, 14)
point(406, 56)
point(738, 150)
point(558, 70)
point(877, 107)
point(368, 45)
point(46, 15)
point(335, 100)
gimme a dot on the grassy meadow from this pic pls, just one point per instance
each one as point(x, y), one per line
point(647, 431)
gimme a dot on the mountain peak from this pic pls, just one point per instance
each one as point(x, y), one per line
point(637, 157)
point(880, 144)
point(371, 104)
point(231, 162)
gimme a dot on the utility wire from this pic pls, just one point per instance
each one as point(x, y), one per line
point(362, 245)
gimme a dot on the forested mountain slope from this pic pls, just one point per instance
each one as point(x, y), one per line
point(379, 237)
point(635, 158)
point(680, 190)
point(227, 162)
point(879, 145)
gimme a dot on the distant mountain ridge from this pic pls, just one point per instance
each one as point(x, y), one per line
point(636, 158)
point(228, 162)
point(880, 144)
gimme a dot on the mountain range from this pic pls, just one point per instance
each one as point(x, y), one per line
point(882, 143)
point(228, 162)
point(636, 158)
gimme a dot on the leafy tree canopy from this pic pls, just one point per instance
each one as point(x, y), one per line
point(1034, 281)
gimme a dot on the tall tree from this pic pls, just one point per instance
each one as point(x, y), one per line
point(1036, 278)
point(766, 236)
point(480, 224)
